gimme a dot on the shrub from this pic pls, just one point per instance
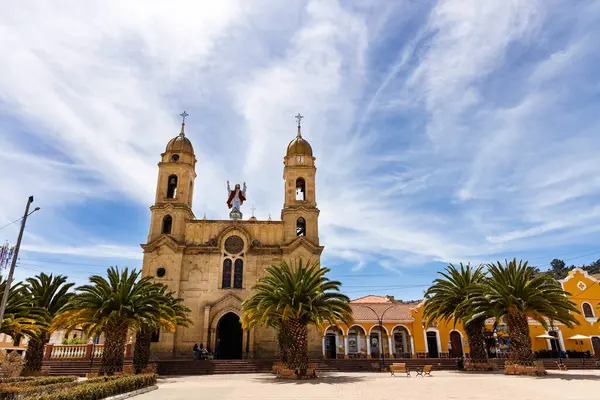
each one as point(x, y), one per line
point(11, 364)
point(18, 379)
point(13, 392)
point(101, 387)
point(74, 340)
point(36, 381)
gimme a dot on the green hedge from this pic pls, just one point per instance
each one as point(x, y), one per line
point(10, 392)
point(38, 381)
point(100, 388)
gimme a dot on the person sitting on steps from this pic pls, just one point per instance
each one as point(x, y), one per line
point(196, 351)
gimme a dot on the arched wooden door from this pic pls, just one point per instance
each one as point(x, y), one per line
point(456, 341)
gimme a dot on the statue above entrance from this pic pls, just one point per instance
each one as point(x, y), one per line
point(235, 199)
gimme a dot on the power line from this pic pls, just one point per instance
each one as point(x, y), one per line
point(9, 224)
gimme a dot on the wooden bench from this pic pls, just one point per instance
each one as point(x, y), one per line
point(311, 371)
point(399, 368)
point(561, 366)
point(426, 371)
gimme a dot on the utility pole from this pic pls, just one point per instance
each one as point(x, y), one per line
point(14, 260)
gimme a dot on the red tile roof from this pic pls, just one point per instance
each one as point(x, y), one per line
point(371, 299)
point(398, 311)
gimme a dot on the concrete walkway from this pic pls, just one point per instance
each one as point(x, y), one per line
point(578, 385)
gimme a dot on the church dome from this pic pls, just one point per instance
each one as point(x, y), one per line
point(299, 146)
point(180, 144)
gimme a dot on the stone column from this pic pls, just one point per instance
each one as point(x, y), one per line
point(251, 347)
point(206, 326)
point(345, 346)
point(368, 342)
point(323, 346)
point(412, 345)
point(390, 348)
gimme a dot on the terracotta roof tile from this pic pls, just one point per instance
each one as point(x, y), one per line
point(397, 312)
point(371, 299)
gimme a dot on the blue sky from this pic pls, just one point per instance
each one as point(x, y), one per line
point(444, 131)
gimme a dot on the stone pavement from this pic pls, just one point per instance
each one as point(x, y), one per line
point(578, 385)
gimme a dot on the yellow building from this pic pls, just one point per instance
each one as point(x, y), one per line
point(380, 322)
point(214, 264)
point(584, 291)
point(403, 333)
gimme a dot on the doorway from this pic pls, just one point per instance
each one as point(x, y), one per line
point(455, 340)
point(432, 345)
point(229, 338)
point(596, 346)
point(330, 347)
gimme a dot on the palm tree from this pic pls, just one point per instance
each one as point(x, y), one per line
point(296, 296)
point(449, 298)
point(21, 318)
point(112, 307)
point(513, 293)
point(173, 313)
point(49, 293)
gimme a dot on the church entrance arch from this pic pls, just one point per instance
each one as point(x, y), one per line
point(229, 337)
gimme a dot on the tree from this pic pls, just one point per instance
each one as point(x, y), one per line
point(558, 269)
point(296, 295)
point(593, 268)
point(449, 298)
point(112, 307)
point(21, 318)
point(513, 293)
point(50, 294)
point(173, 313)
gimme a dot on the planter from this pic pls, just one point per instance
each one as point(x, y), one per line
point(285, 373)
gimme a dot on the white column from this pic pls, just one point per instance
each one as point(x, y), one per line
point(368, 342)
point(323, 346)
point(412, 345)
point(345, 345)
point(390, 348)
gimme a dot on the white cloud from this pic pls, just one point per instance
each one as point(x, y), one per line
point(443, 152)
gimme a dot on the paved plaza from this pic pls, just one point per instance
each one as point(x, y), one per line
point(355, 386)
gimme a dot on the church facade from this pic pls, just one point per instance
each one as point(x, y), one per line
point(214, 264)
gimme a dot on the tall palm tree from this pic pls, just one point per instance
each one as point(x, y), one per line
point(173, 313)
point(296, 295)
point(513, 293)
point(21, 318)
point(449, 298)
point(112, 306)
point(49, 293)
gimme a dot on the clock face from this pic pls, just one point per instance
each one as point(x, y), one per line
point(175, 157)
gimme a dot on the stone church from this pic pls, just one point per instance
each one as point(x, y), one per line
point(214, 264)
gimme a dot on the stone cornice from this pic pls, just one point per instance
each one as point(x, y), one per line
point(163, 240)
point(302, 241)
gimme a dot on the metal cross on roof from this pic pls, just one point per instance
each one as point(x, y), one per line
point(183, 115)
point(253, 209)
point(299, 118)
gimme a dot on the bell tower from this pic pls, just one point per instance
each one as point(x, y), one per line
point(300, 214)
point(174, 189)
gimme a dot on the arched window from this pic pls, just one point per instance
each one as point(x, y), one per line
point(226, 273)
point(172, 187)
point(588, 312)
point(300, 189)
point(301, 227)
point(238, 273)
point(167, 225)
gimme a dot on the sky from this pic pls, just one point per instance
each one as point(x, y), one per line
point(444, 131)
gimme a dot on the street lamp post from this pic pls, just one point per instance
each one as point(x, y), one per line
point(380, 321)
point(14, 260)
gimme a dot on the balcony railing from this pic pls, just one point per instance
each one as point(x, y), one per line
point(80, 351)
